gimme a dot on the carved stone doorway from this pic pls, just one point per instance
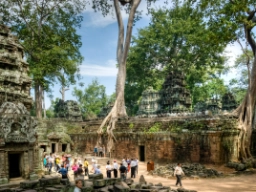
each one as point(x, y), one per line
point(15, 165)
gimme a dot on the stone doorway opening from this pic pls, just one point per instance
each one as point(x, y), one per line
point(43, 147)
point(64, 147)
point(53, 147)
point(142, 153)
point(14, 160)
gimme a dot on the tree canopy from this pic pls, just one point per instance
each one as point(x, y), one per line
point(47, 31)
point(176, 38)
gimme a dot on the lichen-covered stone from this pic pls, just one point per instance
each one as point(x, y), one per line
point(29, 184)
point(98, 183)
point(96, 176)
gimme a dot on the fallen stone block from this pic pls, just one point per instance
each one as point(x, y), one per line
point(29, 184)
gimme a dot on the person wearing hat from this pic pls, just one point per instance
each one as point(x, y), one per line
point(115, 168)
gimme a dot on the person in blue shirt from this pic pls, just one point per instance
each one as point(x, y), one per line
point(97, 170)
point(63, 172)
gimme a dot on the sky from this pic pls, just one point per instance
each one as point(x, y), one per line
point(99, 42)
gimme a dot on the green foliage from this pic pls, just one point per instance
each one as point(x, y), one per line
point(131, 125)
point(174, 127)
point(176, 38)
point(212, 88)
point(154, 128)
point(92, 99)
point(47, 31)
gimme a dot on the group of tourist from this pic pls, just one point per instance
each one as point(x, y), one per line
point(126, 166)
point(99, 151)
point(60, 164)
point(80, 168)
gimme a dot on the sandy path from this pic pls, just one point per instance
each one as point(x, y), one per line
point(242, 183)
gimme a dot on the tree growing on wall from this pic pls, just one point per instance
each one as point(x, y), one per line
point(119, 111)
point(232, 20)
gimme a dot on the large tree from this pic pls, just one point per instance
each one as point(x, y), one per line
point(119, 111)
point(47, 31)
point(92, 99)
point(231, 20)
point(177, 38)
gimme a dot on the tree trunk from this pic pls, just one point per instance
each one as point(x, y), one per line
point(38, 101)
point(43, 98)
point(119, 111)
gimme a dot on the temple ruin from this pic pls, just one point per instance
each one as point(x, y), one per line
point(18, 138)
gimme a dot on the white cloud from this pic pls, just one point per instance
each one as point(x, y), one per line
point(232, 51)
point(98, 20)
point(107, 70)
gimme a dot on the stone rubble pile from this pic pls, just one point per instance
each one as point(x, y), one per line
point(193, 170)
point(95, 183)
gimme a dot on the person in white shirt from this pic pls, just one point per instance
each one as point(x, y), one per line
point(115, 168)
point(133, 168)
point(178, 172)
point(108, 169)
point(79, 185)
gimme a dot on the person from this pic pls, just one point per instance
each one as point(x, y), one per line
point(178, 172)
point(79, 161)
point(94, 166)
point(97, 170)
point(57, 162)
point(50, 161)
point(74, 167)
point(100, 151)
point(123, 172)
point(133, 168)
point(79, 185)
point(95, 150)
point(63, 172)
point(86, 165)
point(115, 168)
point(45, 161)
point(67, 164)
point(79, 171)
point(108, 169)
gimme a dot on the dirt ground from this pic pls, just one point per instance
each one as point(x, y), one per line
point(241, 183)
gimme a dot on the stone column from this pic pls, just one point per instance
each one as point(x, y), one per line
point(3, 167)
point(32, 161)
point(26, 165)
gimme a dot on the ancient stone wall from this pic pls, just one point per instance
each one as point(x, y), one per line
point(206, 147)
point(205, 139)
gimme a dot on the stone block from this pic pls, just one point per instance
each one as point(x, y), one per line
point(5, 190)
point(29, 184)
point(121, 188)
point(64, 181)
point(87, 189)
point(3, 181)
point(17, 190)
point(98, 183)
point(44, 182)
point(96, 176)
point(51, 189)
point(129, 181)
point(59, 186)
point(88, 183)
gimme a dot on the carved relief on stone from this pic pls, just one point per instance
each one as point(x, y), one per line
point(16, 124)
